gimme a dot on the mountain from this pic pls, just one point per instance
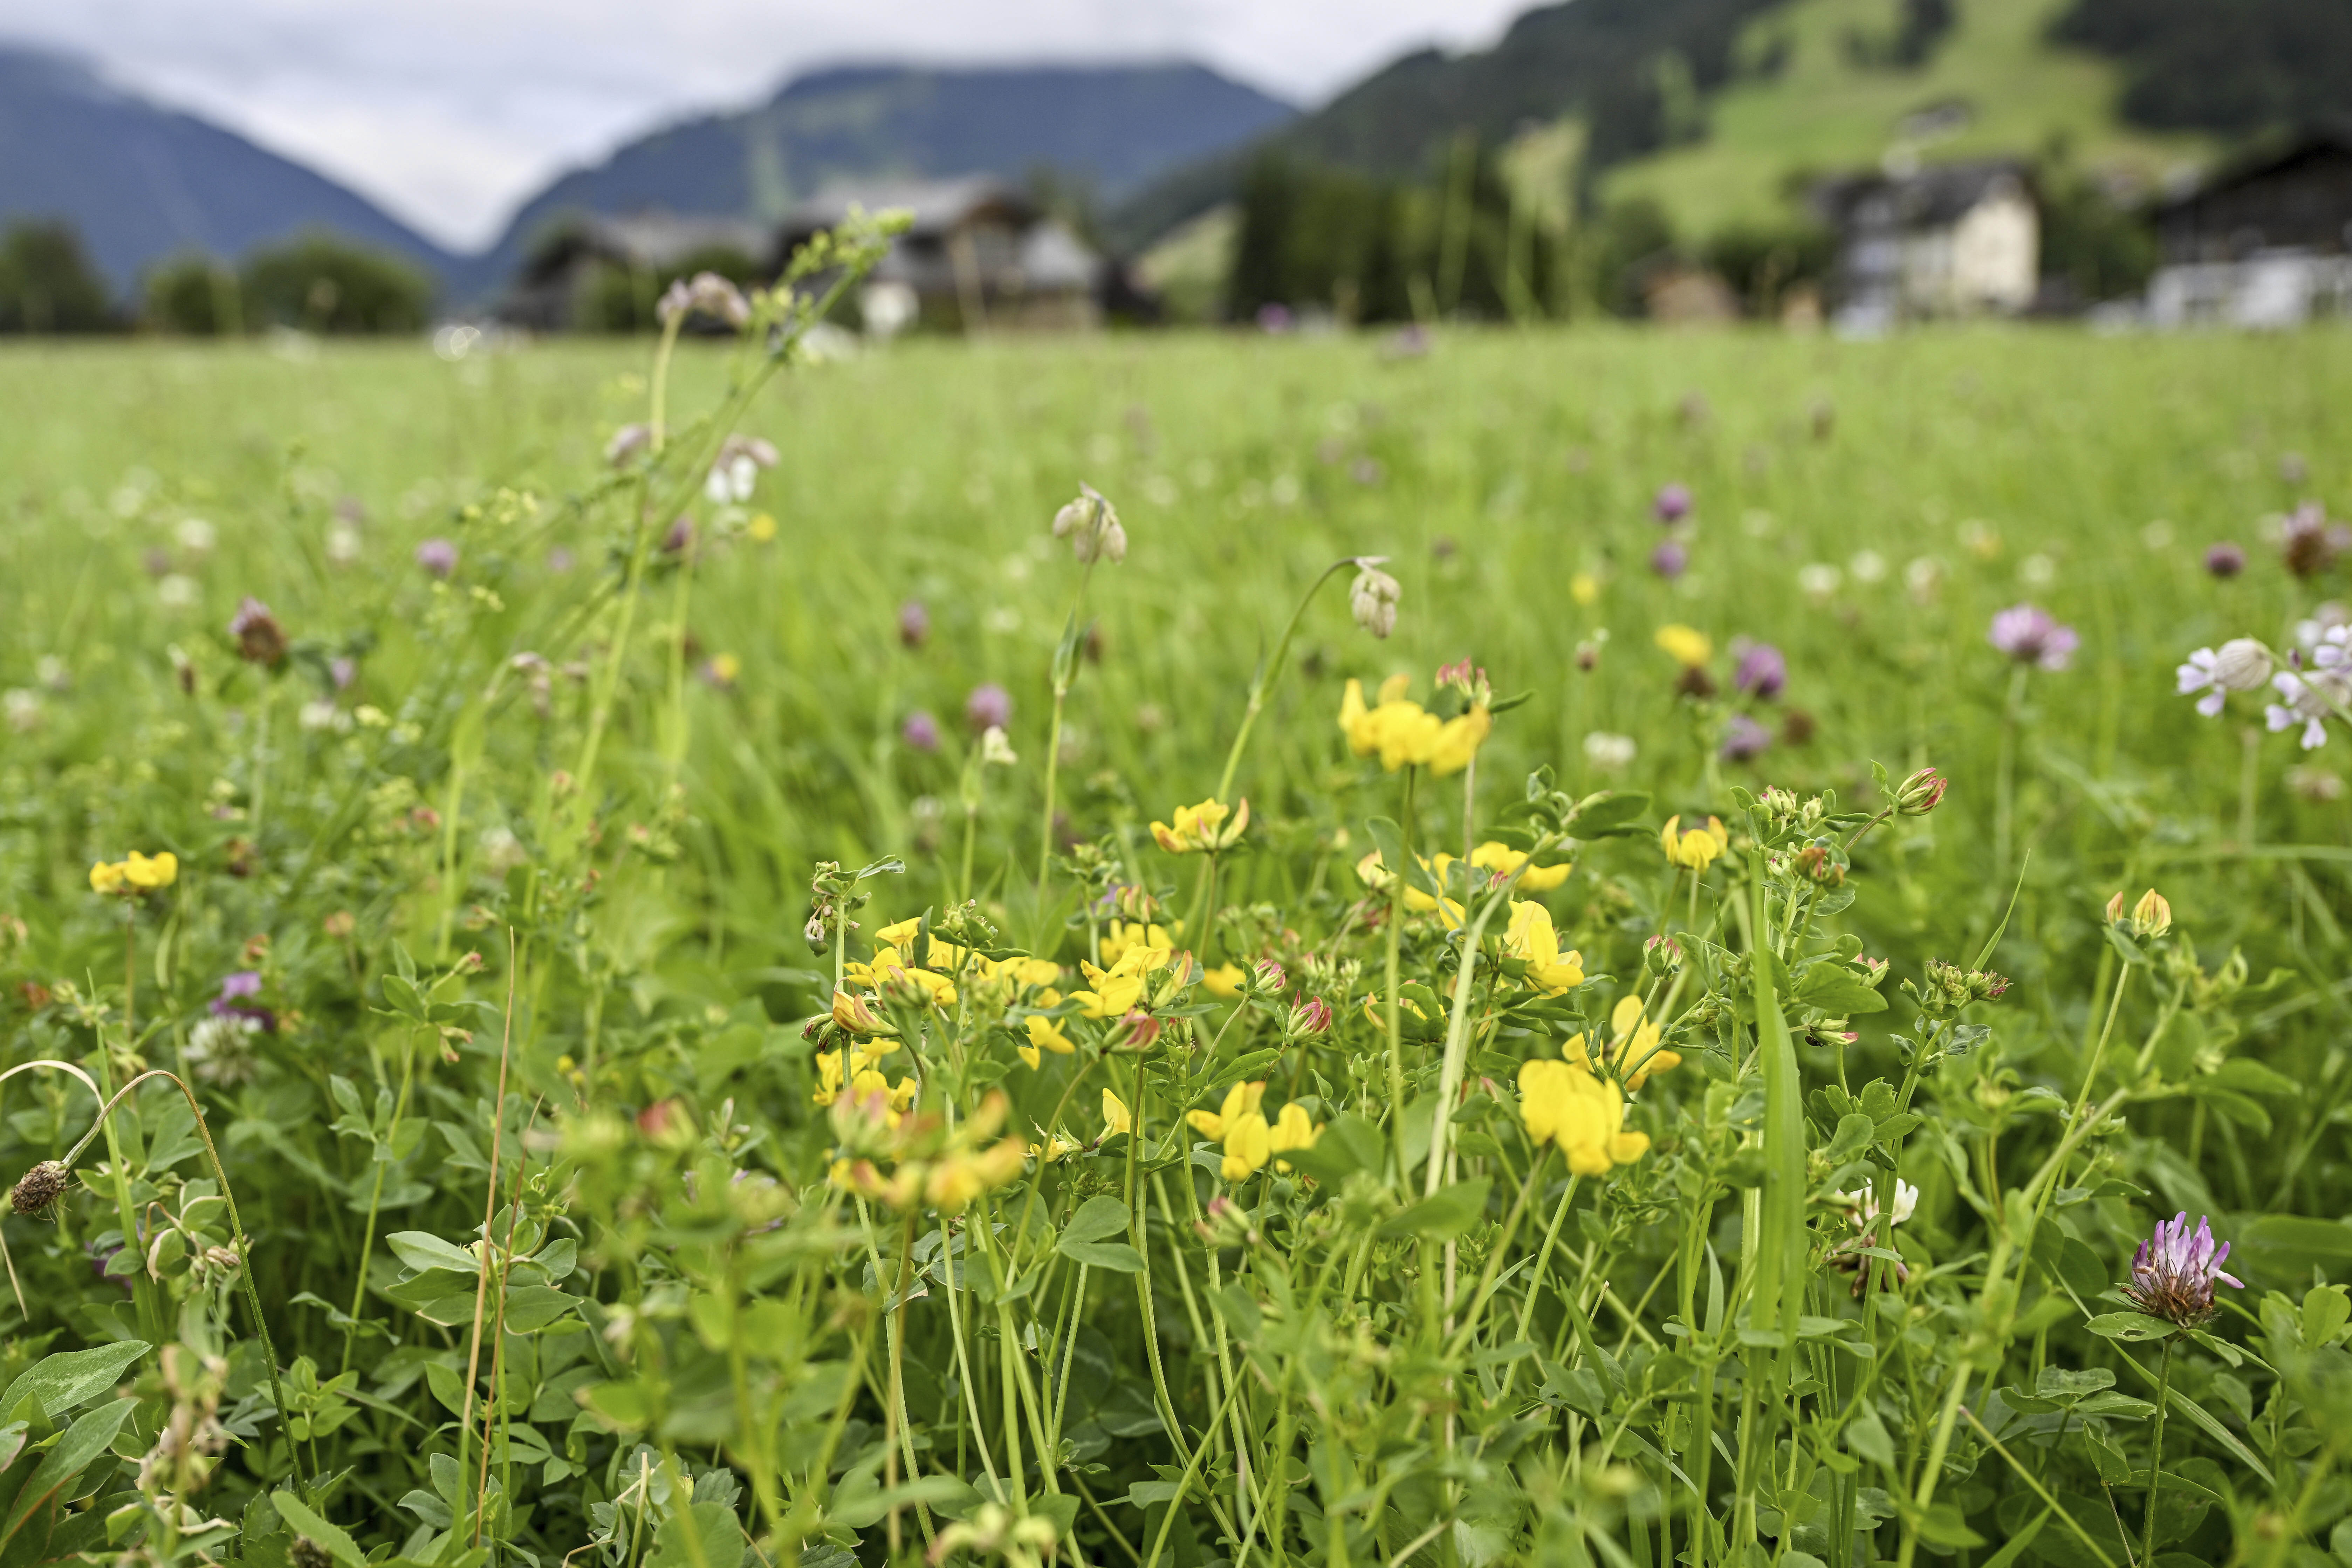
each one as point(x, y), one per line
point(1716, 108)
point(141, 183)
point(1107, 128)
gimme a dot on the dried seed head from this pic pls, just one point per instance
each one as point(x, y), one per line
point(38, 1192)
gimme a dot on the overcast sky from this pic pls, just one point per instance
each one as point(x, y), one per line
point(450, 112)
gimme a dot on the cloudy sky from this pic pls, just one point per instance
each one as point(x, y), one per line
point(450, 112)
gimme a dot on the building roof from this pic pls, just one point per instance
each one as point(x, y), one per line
point(657, 240)
point(1933, 196)
point(938, 206)
point(2308, 144)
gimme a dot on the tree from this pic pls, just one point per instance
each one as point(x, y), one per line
point(195, 295)
point(47, 281)
point(324, 284)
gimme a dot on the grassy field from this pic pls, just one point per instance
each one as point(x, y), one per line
point(624, 755)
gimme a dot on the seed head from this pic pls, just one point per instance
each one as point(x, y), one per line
point(38, 1191)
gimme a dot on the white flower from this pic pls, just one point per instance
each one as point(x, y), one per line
point(736, 470)
point(1610, 754)
point(195, 535)
point(220, 1049)
point(176, 590)
point(2310, 696)
point(2242, 664)
point(1865, 1204)
point(995, 749)
point(24, 709)
point(1819, 579)
point(1373, 597)
point(1867, 566)
point(1091, 525)
point(343, 543)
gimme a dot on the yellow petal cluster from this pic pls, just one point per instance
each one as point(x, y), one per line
point(1632, 1052)
point(1403, 733)
point(1045, 1035)
point(1531, 937)
point(1692, 848)
point(1211, 824)
point(1225, 981)
point(1498, 860)
point(1374, 872)
point(1114, 992)
point(138, 874)
point(1115, 1115)
point(1249, 1139)
point(1120, 935)
point(865, 1079)
point(1687, 645)
point(1562, 1103)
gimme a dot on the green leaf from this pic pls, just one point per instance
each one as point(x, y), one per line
point(531, 1307)
point(62, 1381)
point(1098, 1217)
point(2131, 1328)
point(84, 1441)
point(326, 1532)
point(421, 1251)
point(1348, 1144)
point(1944, 1525)
point(861, 1509)
point(1854, 1133)
point(1837, 989)
point(1444, 1214)
point(1609, 815)
point(1114, 1256)
point(1388, 839)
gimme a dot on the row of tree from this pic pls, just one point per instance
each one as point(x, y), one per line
point(1463, 242)
point(315, 282)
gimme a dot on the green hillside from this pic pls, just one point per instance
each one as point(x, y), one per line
point(1809, 100)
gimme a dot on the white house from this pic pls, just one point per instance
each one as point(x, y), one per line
point(1944, 240)
point(2265, 243)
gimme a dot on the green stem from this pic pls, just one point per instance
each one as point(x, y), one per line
point(2155, 1451)
point(1396, 1002)
point(1264, 679)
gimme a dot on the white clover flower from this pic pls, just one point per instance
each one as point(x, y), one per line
point(1373, 597)
point(220, 1048)
point(343, 543)
point(1610, 754)
point(24, 709)
point(1864, 1205)
point(2242, 664)
point(195, 535)
point(1819, 579)
point(1867, 566)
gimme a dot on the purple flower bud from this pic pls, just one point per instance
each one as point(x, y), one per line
point(231, 1003)
point(2225, 560)
point(1673, 504)
point(1761, 670)
point(990, 707)
point(920, 731)
point(1744, 738)
point(2030, 634)
point(913, 624)
point(1670, 560)
point(679, 538)
point(437, 556)
point(2175, 1270)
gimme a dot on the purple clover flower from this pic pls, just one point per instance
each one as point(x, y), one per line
point(1670, 560)
point(1744, 740)
point(1673, 504)
point(438, 557)
point(2174, 1272)
point(2030, 634)
point(913, 624)
point(1761, 670)
point(990, 707)
point(920, 731)
point(2225, 559)
point(231, 1003)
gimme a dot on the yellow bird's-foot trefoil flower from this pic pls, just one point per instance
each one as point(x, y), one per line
point(1531, 938)
point(1692, 848)
point(1563, 1104)
point(1211, 824)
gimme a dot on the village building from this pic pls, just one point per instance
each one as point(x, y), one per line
point(1932, 242)
point(597, 272)
point(979, 255)
point(2265, 242)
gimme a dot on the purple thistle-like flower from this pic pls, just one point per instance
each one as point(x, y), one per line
point(260, 638)
point(1670, 560)
point(913, 624)
point(2030, 634)
point(2225, 559)
point(920, 731)
point(437, 556)
point(1673, 504)
point(2309, 543)
point(1761, 670)
point(990, 707)
point(2174, 1271)
point(1744, 738)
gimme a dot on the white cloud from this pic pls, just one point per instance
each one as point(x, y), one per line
point(448, 112)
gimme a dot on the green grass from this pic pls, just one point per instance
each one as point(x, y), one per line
point(678, 1261)
point(1823, 114)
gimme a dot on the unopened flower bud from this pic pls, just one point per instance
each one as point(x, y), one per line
point(2152, 916)
point(1373, 597)
point(2115, 910)
point(1922, 792)
point(1091, 525)
point(1269, 976)
point(1310, 1015)
point(2242, 664)
point(1662, 955)
point(1141, 1029)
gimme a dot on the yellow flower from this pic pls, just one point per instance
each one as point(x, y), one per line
point(895, 1101)
point(1562, 1103)
point(1242, 1099)
point(1584, 588)
point(1045, 1034)
point(960, 1176)
point(1120, 935)
point(725, 668)
point(1202, 826)
point(1632, 1046)
point(1054, 1148)
point(828, 1077)
point(1458, 740)
point(1225, 980)
point(1115, 1116)
point(1249, 1142)
point(1029, 1056)
point(2152, 916)
point(1404, 733)
point(760, 529)
point(1531, 937)
point(1687, 645)
point(1374, 872)
point(852, 1014)
point(106, 877)
point(1499, 860)
point(144, 873)
point(1696, 849)
point(1293, 1129)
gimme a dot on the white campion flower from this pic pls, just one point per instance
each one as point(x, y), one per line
point(1373, 597)
point(707, 292)
point(2242, 664)
point(736, 470)
point(1865, 1204)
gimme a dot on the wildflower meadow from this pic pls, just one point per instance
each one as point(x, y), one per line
point(1551, 948)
